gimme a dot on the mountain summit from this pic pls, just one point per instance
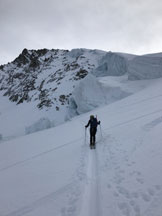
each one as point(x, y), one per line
point(55, 85)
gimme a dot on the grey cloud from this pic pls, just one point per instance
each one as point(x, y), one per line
point(118, 25)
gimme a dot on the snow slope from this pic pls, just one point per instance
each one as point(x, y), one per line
point(89, 93)
point(49, 87)
point(53, 172)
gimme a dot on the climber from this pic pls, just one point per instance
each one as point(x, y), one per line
point(93, 129)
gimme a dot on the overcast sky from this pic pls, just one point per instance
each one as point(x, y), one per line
point(131, 26)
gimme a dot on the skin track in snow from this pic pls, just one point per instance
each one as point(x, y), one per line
point(91, 202)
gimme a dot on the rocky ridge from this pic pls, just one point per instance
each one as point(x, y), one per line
point(44, 76)
point(48, 77)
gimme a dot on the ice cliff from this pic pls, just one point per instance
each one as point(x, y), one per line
point(145, 67)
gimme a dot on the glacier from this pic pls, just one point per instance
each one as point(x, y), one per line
point(145, 67)
point(60, 84)
point(53, 172)
point(91, 93)
point(111, 64)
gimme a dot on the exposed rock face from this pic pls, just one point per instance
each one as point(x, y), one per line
point(46, 77)
point(145, 67)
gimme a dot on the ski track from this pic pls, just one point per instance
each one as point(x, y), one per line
point(91, 204)
point(134, 119)
point(142, 101)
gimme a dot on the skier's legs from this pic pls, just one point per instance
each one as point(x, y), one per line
point(91, 139)
point(91, 136)
point(94, 139)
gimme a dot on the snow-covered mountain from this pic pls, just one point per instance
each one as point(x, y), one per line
point(44, 88)
point(41, 75)
point(40, 84)
point(53, 172)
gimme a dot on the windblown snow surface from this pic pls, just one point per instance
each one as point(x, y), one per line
point(54, 173)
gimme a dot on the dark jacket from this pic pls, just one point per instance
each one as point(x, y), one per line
point(93, 123)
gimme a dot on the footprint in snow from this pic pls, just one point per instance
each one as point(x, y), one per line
point(132, 202)
point(157, 187)
point(135, 195)
point(124, 192)
point(109, 186)
point(122, 171)
point(140, 180)
point(151, 191)
point(116, 194)
point(124, 208)
point(138, 173)
point(145, 197)
point(135, 207)
point(118, 179)
point(137, 210)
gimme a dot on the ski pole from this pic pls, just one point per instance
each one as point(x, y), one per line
point(85, 135)
point(101, 132)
